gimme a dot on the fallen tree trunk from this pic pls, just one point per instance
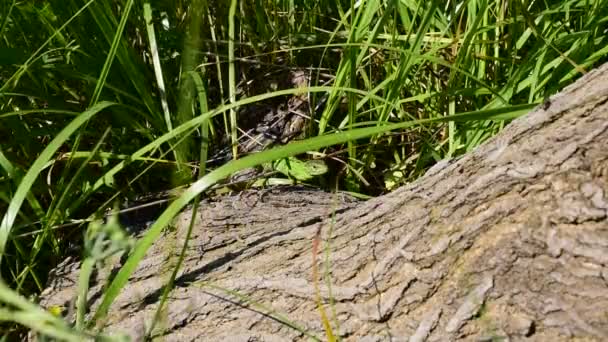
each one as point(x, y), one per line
point(509, 241)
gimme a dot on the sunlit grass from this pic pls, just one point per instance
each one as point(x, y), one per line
point(103, 100)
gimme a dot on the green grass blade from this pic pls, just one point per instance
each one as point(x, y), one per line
point(112, 53)
point(202, 96)
point(232, 77)
point(192, 124)
point(158, 72)
point(38, 165)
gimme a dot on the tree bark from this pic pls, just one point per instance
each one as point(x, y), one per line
point(508, 242)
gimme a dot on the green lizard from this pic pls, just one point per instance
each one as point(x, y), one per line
point(297, 170)
point(300, 170)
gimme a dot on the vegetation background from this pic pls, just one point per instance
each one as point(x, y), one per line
point(104, 100)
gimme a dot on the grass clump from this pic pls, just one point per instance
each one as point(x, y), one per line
point(104, 100)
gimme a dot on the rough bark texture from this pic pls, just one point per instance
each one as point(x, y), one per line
point(507, 242)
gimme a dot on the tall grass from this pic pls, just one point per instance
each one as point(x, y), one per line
point(104, 100)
